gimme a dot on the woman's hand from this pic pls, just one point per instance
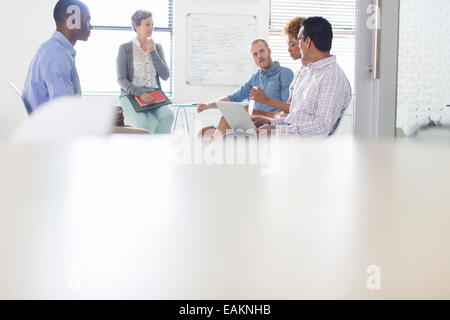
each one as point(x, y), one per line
point(202, 107)
point(147, 98)
point(148, 45)
point(259, 95)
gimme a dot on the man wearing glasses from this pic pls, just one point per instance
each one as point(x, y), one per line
point(319, 93)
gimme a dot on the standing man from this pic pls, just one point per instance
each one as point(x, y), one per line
point(52, 72)
point(319, 93)
point(273, 78)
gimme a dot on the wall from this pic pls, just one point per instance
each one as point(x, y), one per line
point(184, 92)
point(24, 26)
point(424, 66)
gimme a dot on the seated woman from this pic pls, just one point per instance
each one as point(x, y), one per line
point(258, 94)
point(140, 65)
point(291, 31)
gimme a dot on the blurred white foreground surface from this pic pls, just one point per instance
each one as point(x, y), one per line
point(67, 118)
point(122, 218)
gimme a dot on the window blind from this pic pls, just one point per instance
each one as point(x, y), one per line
point(340, 13)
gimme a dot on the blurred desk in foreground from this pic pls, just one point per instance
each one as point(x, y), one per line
point(117, 218)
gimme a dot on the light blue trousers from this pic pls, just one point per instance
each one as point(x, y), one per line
point(158, 120)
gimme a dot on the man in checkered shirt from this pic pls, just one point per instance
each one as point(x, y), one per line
point(320, 91)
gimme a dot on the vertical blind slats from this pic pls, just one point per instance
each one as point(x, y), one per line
point(340, 13)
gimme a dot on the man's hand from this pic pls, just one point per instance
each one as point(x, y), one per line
point(148, 99)
point(259, 121)
point(202, 107)
point(266, 129)
point(259, 95)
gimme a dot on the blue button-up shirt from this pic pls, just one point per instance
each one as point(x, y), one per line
point(275, 82)
point(52, 73)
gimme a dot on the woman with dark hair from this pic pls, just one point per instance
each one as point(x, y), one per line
point(291, 31)
point(140, 65)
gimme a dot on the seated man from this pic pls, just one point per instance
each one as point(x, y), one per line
point(291, 31)
point(53, 72)
point(319, 93)
point(271, 76)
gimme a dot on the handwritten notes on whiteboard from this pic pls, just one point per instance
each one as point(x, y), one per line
point(217, 49)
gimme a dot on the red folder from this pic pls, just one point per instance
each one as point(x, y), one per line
point(157, 95)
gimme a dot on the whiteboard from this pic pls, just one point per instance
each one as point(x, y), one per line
point(217, 49)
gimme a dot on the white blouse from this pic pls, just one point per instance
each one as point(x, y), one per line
point(144, 70)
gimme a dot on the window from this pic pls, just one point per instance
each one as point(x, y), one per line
point(340, 13)
point(111, 21)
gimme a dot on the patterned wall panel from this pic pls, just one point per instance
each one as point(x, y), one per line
point(424, 63)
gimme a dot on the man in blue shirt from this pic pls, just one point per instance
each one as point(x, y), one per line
point(52, 72)
point(271, 77)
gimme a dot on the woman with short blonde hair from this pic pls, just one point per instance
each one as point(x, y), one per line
point(140, 66)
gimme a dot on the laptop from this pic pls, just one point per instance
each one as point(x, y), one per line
point(236, 116)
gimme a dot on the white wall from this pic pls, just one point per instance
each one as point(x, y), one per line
point(423, 66)
point(184, 92)
point(23, 27)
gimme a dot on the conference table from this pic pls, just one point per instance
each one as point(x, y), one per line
point(153, 217)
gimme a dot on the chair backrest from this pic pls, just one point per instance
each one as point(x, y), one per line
point(15, 89)
point(336, 125)
point(23, 109)
point(67, 118)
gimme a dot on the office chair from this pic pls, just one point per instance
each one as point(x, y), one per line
point(18, 93)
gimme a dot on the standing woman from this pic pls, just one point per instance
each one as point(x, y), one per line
point(140, 65)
